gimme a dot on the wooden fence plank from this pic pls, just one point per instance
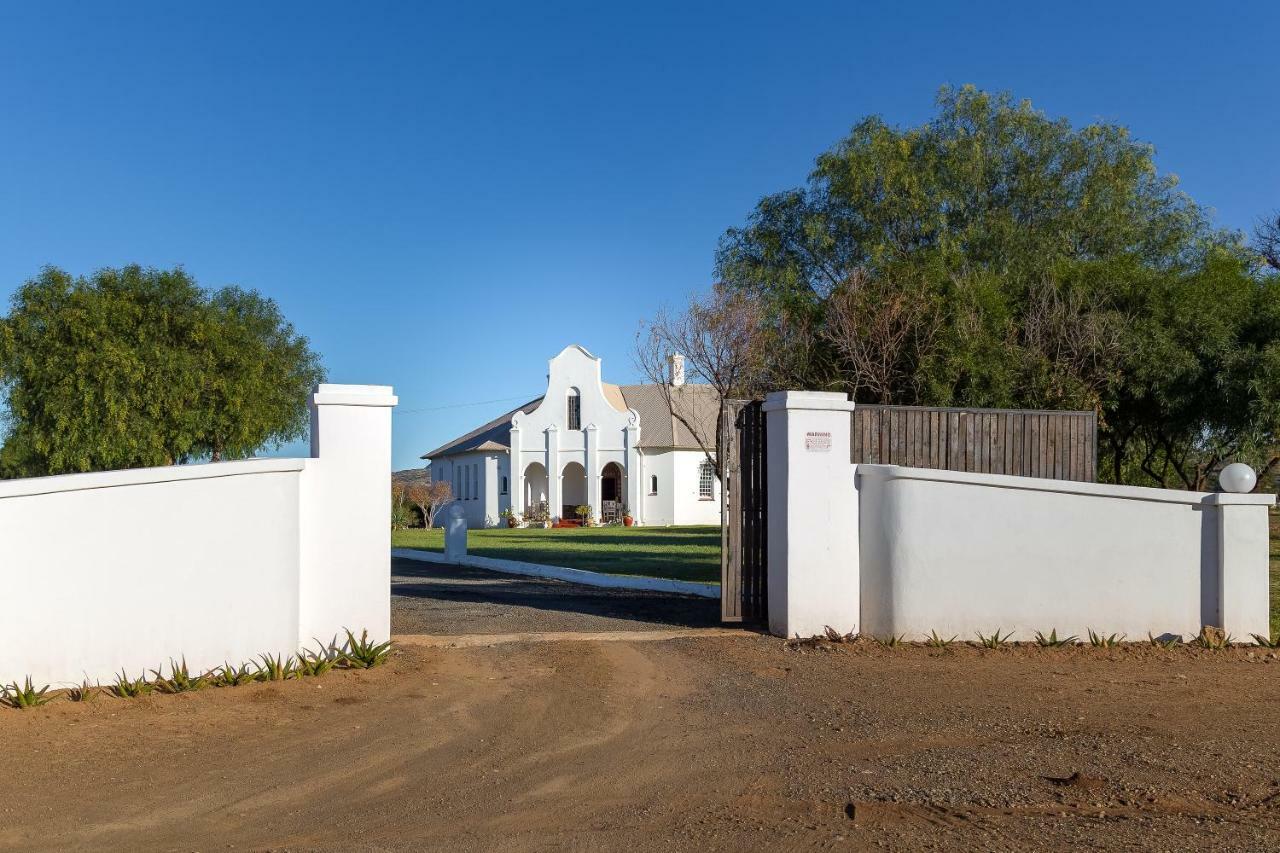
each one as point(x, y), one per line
point(1058, 445)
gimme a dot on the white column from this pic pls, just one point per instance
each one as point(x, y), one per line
point(813, 515)
point(1243, 583)
point(345, 522)
point(554, 492)
point(516, 470)
point(635, 476)
point(592, 460)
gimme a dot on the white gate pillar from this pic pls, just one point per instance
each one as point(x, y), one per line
point(345, 534)
point(813, 514)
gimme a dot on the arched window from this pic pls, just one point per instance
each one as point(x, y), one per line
point(574, 409)
point(504, 485)
point(706, 481)
point(653, 484)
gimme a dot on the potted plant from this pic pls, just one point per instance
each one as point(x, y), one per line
point(541, 516)
point(583, 512)
point(627, 520)
point(512, 517)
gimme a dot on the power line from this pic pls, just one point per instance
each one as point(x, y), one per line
point(464, 405)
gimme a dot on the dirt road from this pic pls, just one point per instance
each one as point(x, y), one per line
point(710, 743)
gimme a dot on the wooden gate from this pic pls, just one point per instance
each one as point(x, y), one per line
point(744, 537)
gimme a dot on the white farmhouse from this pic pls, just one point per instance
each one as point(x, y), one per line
point(586, 442)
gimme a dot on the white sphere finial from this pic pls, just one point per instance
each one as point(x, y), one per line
point(1237, 477)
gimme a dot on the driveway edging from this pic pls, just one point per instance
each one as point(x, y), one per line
point(582, 576)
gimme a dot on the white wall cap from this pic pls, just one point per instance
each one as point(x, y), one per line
point(817, 401)
point(143, 476)
point(1071, 487)
point(1247, 499)
point(328, 394)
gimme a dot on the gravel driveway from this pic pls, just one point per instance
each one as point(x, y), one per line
point(428, 598)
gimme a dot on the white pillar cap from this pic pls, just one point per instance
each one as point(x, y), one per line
point(353, 395)
point(817, 401)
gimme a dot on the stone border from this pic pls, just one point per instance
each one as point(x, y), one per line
point(582, 576)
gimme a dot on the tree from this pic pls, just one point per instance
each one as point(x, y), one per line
point(428, 497)
point(135, 367)
point(1266, 238)
point(994, 256)
point(720, 339)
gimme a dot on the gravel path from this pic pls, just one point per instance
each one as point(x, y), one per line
point(433, 599)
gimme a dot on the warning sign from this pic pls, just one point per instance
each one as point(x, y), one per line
point(817, 442)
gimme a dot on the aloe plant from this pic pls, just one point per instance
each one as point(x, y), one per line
point(1104, 641)
point(320, 661)
point(276, 668)
point(891, 641)
point(230, 676)
point(180, 679)
point(1163, 642)
point(86, 692)
point(130, 688)
point(24, 695)
point(995, 640)
point(364, 653)
point(1052, 641)
point(1267, 642)
point(936, 642)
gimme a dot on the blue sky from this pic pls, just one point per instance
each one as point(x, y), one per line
point(442, 196)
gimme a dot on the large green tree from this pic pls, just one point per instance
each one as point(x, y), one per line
point(994, 256)
point(132, 367)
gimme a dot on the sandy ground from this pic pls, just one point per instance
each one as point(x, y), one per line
point(712, 743)
point(734, 743)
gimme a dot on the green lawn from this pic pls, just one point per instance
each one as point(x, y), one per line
point(682, 553)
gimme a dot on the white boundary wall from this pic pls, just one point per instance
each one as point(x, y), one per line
point(886, 550)
point(218, 562)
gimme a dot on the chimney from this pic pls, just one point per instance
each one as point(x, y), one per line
point(675, 369)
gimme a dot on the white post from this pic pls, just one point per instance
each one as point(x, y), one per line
point(345, 577)
point(455, 532)
point(1243, 583)
point(813, 514)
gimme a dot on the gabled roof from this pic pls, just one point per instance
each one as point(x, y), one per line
point(698, 403)
point(495, 435)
